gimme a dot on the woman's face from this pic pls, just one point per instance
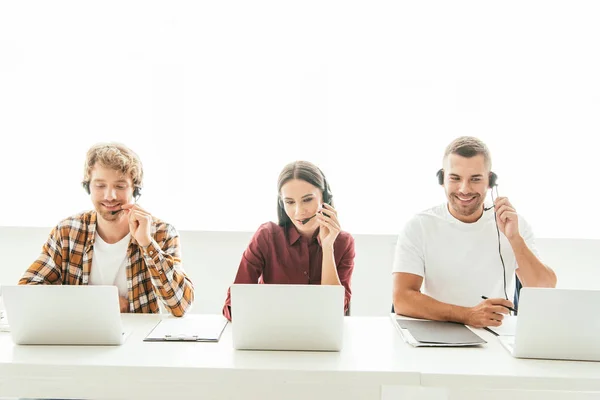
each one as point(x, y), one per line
point(301, 201)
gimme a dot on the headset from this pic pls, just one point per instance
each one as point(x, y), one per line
point(327, 196)
point(493, 178)
point(137, 190)
point(492, 184)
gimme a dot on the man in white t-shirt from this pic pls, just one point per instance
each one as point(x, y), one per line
point(118, 242)
point(462, 250)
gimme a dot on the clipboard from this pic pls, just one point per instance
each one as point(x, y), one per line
point(191, 328)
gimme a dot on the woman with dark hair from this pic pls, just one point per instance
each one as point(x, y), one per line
point(307, 246)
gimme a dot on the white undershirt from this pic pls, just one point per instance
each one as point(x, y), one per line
point(459, 262)
point(108, 264)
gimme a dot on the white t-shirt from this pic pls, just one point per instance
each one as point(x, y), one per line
point(458, 261)
point(109, 264)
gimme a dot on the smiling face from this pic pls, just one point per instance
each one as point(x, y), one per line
point(109, 190)
point(301, 201)
point(466, 181)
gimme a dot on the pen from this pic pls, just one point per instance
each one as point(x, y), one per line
point(490, 331)
point(510, 308)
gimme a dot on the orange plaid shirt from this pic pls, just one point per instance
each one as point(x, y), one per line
point(152, 272)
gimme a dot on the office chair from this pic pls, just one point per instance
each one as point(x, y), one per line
point(518, 286)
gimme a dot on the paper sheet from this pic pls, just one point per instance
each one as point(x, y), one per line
point(194, 327)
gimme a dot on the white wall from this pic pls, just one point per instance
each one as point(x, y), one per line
point(211, 260)
point(217, 96)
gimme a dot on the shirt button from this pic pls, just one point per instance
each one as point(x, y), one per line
point(151, 252)
point(305, 273)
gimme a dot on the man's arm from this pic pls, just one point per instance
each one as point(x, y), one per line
point(46, 270)
point(409, 301)
point(163, 260)
point(161, 252)
point(531, 271)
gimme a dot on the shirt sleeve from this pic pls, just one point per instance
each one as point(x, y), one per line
point(409, 256)
point(527, 233)
point(163, 260)
point(46, 270)
point(345, 268)
point(251, 266)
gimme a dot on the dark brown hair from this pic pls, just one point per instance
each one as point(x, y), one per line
point(469, 146)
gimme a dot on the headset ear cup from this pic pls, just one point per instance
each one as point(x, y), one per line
point(493, 179)
point(137, 192)
point(440, 176)
point(86, 187)
point(326, 196)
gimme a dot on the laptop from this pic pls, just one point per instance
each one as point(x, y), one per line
point(558, 324)
point(287, 317)
point(64, 314)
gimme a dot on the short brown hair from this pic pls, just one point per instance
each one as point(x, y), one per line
point(469, 146)
point(307, 172)
point(115, 156)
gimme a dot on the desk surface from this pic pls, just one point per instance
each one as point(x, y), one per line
point(374, 355)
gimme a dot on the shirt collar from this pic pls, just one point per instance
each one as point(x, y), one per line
point(294, 235)
point(91, 233)
point(483, 219)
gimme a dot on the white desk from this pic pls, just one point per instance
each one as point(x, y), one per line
point(374, 358)
point(140, 369)
point(489, 372)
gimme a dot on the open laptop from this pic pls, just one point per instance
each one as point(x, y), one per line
point(559, 324)
point(287, 317)
point(64, 314)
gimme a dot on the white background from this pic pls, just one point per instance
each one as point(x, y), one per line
point(216, 97)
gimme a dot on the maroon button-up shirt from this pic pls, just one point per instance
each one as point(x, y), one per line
point(279, 256)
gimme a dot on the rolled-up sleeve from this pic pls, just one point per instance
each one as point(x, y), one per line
point(345, 267)
point(163, 260)
point(46, 270)
point(251, 266)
